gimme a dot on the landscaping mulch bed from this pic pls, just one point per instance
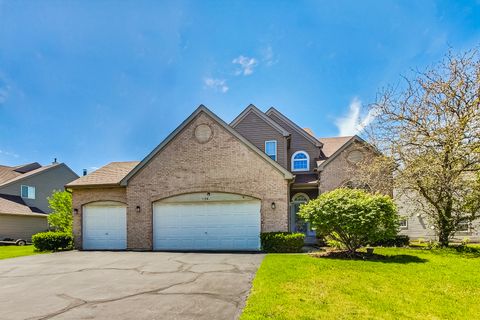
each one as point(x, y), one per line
point(335, 254)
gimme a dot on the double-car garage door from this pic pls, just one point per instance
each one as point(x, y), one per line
point(198, 221)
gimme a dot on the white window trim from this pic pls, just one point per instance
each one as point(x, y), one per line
point(300, 194)
point(308, 160)
point(405, 227)
point(469, 227)
point(29, 196)
point(276, 151)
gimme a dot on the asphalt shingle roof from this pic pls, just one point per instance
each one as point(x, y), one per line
point(110, 174)
point(10, 204)
point(331, 145)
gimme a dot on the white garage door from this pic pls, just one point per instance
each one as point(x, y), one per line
point(204, 221)
point(104, 227)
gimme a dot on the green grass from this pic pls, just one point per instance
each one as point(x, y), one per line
point(412, 284)
point(15, 251)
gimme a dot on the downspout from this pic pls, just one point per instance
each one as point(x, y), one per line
point(289, 209)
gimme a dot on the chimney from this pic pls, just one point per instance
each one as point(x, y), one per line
point(84, 172)
point(309, 131)
point(54, 161)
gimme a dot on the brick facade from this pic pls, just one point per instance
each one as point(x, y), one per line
point(338, 171)
point(223, 164)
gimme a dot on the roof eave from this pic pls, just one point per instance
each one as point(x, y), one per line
point(93, 186)
point(202, 108)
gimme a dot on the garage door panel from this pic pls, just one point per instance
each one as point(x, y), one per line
point(104, 228)
point(207, 225)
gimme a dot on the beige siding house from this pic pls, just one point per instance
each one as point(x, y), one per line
point(23, 197)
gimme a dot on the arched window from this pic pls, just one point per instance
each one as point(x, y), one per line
point(300, 198)
point(300, 161)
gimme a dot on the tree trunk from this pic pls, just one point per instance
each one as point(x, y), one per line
point(443, 238)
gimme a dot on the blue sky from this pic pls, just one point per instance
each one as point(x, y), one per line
point(90, 82)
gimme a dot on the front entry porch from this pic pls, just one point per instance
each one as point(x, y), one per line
point(296, 223)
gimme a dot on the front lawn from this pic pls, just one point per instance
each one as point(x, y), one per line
point(414, 284)
point(15, 251)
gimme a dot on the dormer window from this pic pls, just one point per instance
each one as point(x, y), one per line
point(27, 192)
point(271, 149)
point(300, 161)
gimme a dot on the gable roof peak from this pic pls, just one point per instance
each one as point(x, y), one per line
point(202, 108)
point(252, 108)
point(295, 126)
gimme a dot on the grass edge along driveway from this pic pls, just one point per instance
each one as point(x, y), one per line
point(7, 252)
point(414, 284)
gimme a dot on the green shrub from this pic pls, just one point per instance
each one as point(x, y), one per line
point(284, 242)
point(400, 240)
point(352, 218)
point(52, 241)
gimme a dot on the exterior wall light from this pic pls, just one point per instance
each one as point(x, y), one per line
point(75, 211)
point(137, 209)
point(273, 205)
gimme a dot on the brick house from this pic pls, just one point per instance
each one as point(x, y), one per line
point(212, 186)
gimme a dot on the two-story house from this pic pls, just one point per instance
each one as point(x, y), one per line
point(212, 186)
point(23, 197)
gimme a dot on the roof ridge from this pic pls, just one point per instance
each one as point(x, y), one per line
point(295, 126)
point(287, 174)
point(262, 115)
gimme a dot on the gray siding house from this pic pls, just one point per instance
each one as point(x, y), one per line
point(23, 197)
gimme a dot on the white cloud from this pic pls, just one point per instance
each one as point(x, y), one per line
point(354, 122)
point(268, 56)
point(246, 64)
point(5, 89)
point(9, 154)
point(216, 84)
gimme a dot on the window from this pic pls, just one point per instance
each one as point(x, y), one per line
point(463, 226)
point(403, 223)
point(300, 197)
point(27, 192)
point(271, 149)
point(300, 161)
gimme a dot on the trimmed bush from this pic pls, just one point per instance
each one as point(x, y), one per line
point(352, 218)
point(52, 241)
point(282, 242)
point(399, 241)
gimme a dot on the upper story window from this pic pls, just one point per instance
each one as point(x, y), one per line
point(27, 192)
point(271, 149)
point(300, 161)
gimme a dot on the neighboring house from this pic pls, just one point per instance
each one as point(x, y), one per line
point(417, 225)
point(23, 197)
point(212, 186)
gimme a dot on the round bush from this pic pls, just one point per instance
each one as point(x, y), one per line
point(351, 218)
point(52, 241)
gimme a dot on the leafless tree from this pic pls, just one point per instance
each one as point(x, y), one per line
point(429, 128)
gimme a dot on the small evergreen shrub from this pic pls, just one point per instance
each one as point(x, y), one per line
point(52, 241)
point(282, 242)
point(399, 241)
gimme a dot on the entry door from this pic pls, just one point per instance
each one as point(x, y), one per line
point(104, 227)
point(207, 225)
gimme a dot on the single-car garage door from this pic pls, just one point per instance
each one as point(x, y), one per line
point(207, 221)
point(104, 226)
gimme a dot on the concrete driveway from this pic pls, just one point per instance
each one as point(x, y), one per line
point(126, 285)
